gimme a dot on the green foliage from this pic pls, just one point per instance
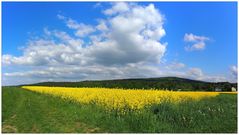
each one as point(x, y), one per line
point(28, 112)
point(169, 83)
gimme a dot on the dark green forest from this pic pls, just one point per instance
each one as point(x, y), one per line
point(163, 83)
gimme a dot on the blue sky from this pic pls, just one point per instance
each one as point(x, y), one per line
point(196, 40)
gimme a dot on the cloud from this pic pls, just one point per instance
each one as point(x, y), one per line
point(233, 70)
point(198, 42)
point(198, 74)
point(82, 29)
point(126, 43)
point(181, 70)
point(175, 65)
point(194, 38)
point(74, 73)
point(98, 5)
point(118, 7)
point(195, 72)
point(114, 43)
point(102, 26)
point(123, 45)
point(100, 72)
point(47, 52)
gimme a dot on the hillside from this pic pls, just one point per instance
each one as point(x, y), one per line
point(169, 83)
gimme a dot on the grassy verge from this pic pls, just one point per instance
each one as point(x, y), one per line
point(28, 112)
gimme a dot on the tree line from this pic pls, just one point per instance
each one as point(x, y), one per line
point(163, 83)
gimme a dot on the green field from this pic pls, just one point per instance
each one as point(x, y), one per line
point(29, 112)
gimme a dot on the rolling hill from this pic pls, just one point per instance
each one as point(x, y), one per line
point(169, 83)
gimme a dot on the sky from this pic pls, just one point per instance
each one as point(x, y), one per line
point(75, 41)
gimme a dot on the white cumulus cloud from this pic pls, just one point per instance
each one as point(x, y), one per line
point(123, 45)
point(197, 42)
point(233, 70)
point(82, 29)
point(126, 43)
point(118, 7)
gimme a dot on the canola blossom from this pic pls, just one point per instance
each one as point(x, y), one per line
point(120, 98)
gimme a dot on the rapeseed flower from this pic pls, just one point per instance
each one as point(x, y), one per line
point(120, 98)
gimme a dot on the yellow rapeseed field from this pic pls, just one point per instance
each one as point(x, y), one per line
point(120, 98)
